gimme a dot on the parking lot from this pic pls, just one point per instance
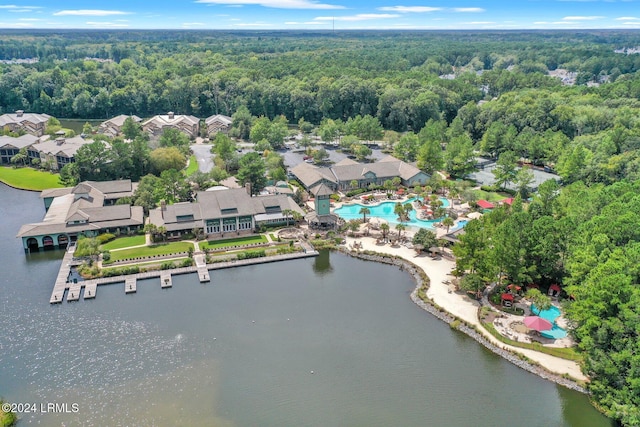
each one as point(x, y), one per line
point(486, 177)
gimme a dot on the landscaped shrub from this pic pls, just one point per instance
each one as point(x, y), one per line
point(167, 265)
point(252, 254)
point(334, 197)
point(186, 262)
point(105, 237)
point(106, 256)
point(356, 191)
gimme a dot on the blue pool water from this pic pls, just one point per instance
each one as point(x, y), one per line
point(385, 211)
point(551, 315)
point(554, 333)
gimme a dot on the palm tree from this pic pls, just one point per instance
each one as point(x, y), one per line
point(364, 212)
point(385, 229)
point(448, 222)
point(400, 227)
point(408, 207)
point(398, 209)
point(287, 213)
point(297, 217)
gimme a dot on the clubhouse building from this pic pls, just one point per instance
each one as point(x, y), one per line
point(224, 213)
point(340, 176)
point(87, 209)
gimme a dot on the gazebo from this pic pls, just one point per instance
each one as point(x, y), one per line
point(507, 201)
point(554, 290)
point(485, 204)
point(507, 300)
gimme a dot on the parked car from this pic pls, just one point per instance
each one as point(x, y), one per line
point(305, 158)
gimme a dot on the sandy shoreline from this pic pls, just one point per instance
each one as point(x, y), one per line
point(553, 368)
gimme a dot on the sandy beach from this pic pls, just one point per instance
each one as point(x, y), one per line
point(460, 305)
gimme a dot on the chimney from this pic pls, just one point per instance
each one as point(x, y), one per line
point(171, 115)
point(247, 187)
point(59, 141)
point(20, 113)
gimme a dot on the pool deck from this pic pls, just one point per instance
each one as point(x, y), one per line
point(74, 291)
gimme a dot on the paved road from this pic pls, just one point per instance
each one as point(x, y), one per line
point(204, 156)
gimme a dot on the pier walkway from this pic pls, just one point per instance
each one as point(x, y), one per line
point(74, 290)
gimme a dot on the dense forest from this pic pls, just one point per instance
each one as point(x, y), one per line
point(441, 99)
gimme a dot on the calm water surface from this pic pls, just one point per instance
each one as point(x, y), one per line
point(240, 350)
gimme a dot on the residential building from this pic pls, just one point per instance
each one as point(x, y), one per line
point(87, 209)
point(31, 123)
point(225, 212)
point(113, 126)
point(60, 151)
point(10, 146)
point(189, 125)
point(218, 123)
point(340, 176)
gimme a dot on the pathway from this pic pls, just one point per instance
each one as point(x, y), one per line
point(438, 271)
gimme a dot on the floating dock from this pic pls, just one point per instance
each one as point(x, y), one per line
point(74, 290)
point(130, 285)
point(165, 279)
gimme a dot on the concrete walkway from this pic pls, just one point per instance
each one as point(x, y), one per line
point(438, 271)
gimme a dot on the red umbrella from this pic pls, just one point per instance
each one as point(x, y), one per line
point(537, 323)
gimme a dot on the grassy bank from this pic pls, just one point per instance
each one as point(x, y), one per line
point(564, 353)
point(7, 419)
point(29, 179)
point(123, 242)
point(226, 243)
point(193, 166)
point(149, 251)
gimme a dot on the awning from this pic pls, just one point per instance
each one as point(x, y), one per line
point(485, 205)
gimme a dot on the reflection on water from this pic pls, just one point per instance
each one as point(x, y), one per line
point(239, 351)
point(322, 263)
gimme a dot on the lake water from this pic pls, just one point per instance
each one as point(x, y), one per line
point(240, 351)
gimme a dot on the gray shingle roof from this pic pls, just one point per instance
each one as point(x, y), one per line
point(19, 142)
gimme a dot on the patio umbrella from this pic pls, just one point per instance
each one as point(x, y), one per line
point(537, 323)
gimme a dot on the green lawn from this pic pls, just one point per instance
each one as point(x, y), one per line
point(490, 196)
point(29, 179)
point(193, 166)
point(219, 244)
point(123, 242)
point(161, 249)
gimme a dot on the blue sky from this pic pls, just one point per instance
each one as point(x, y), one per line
point(322, 14)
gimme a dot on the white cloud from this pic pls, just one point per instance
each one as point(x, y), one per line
point(358, 17)
point(103, 24)
point(193, 24)
point(468, 9)
point(410, 9)
point(9, 7)
point(627, 18)
point(581, 18)
point(276, 4)
point(29, 19)
point(478, 23)
point(89, 12)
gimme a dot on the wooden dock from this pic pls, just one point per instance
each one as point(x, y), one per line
point(61, 284)
point(165, 279)
point(201, 265)
point(90, 288)
point(130, 285)
point(74, 290)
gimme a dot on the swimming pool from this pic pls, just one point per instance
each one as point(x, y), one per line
point(384, 211)
point(551, 315)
